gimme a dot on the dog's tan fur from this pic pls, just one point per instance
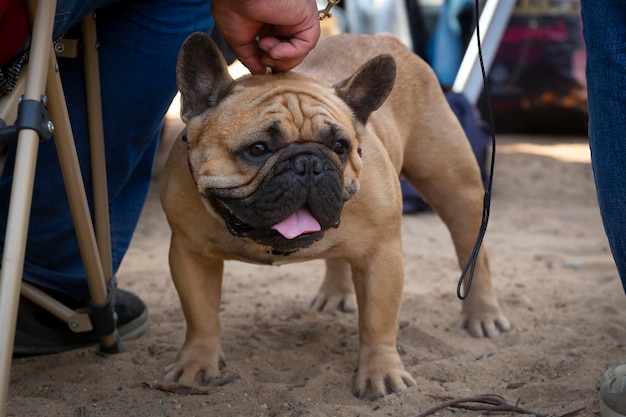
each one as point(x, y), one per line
point(414, 134)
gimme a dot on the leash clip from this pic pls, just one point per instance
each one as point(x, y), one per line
point(325, 12)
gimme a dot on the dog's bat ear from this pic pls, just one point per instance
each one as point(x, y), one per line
point(202, 75)
point(367, 89)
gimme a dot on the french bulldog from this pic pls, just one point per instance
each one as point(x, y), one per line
point(303, 165)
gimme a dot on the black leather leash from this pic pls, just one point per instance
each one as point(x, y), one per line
point(470, 266)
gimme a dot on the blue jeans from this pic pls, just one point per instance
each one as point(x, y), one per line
point(139, 44)
point(604, 29)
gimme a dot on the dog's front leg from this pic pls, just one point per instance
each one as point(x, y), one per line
point(378, 280)
point(198, 281)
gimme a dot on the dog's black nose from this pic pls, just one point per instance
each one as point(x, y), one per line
point(307, 164)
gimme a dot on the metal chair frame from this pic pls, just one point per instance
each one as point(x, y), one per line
point(39, 91)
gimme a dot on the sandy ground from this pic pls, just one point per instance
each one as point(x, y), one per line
point(552, 270)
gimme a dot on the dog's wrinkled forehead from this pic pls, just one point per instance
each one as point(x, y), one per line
point(279, 115)
point(301, 106)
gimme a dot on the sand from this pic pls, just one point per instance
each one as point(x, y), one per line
point(552, 270)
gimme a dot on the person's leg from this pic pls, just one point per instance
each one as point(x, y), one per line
point(139, 43)
point(605, 36)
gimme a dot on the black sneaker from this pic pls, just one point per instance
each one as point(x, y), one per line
point(37, 332)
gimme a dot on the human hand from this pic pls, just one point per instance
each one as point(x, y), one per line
point(268, 33)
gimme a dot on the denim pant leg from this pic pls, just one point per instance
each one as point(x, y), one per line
point(604, 29)
point(139, 44)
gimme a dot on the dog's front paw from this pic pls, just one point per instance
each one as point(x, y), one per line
point(380, 373)
point(197, 364)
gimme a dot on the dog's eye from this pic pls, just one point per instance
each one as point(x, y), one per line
point(258, 149)
point(341, 147)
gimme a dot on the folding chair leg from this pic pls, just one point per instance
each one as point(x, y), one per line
point(68, 159)
point(21, 197)
point(96, 144)
point(78, 322)
point(96, 254)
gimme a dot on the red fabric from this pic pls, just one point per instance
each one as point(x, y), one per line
point(13, 28)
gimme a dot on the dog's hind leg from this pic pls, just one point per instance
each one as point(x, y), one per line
point(449, 180)
point(337, 289)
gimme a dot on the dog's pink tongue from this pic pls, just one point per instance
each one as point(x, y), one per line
point(299, 223)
